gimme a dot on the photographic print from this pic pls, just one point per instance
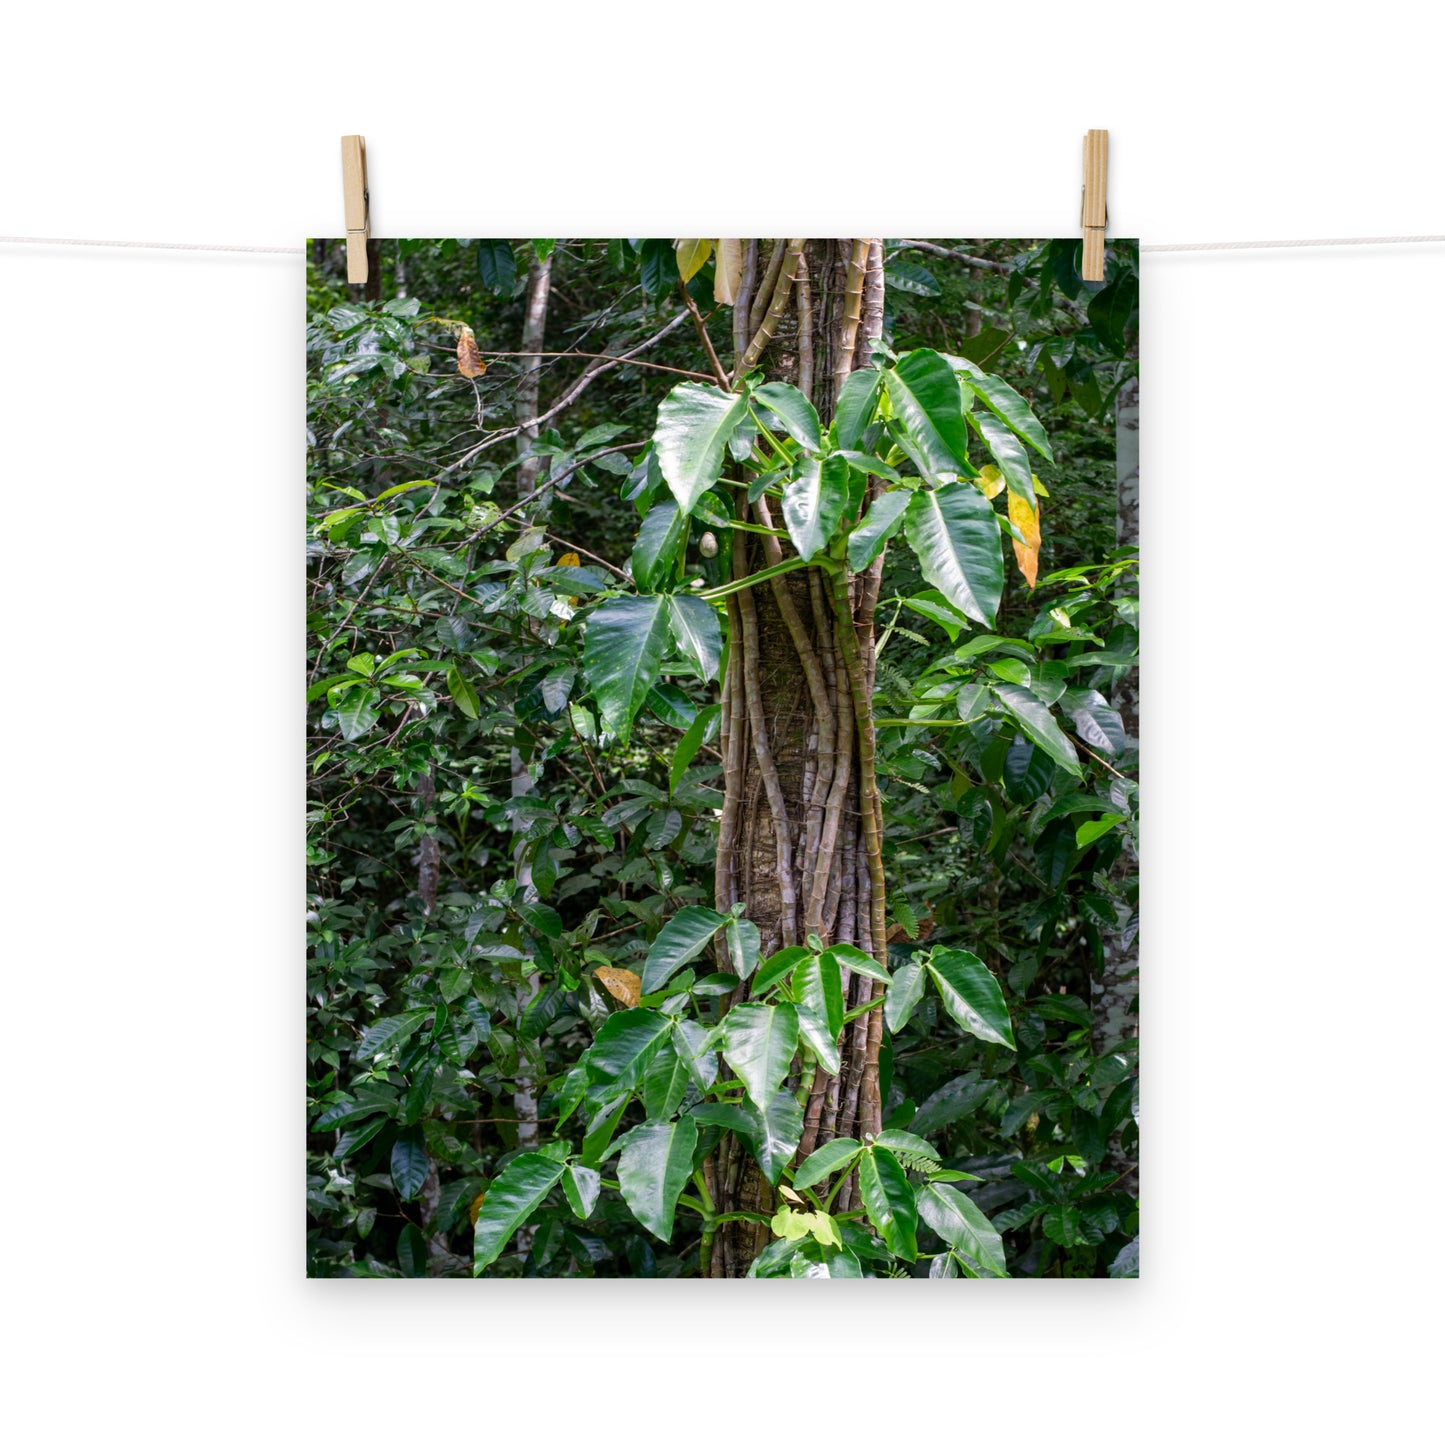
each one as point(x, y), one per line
point(722, 754)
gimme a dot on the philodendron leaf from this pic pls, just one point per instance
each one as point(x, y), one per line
point(794, 411)
point(1008, 452)
point(825, 1161)
point(888, 1198)
point(581, 1186)
point(678, 942)
point(695, 631)
point(958, 1221)
point(655, 551)
point(694, 423)
point(971, 995)
point(955, 533)
point(1004, 402)
point(857, 961)
point(774, 1133)
point(856, 404)
point(818, 988)
point(759, 1041)
point(928, 406)
point(880, 522)
point(654, 1166)
point(813, 503)
point(622, 656)
point(904, 995)
point(744, 944)
point(1034, 718)
point(517, 1191)
point(625, 1044)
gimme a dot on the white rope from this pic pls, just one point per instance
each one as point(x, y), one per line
point(299, 251)
point(150, 245)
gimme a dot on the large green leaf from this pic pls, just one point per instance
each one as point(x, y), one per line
point(971, 995)
point(1034, 718)
point(1008, 452)
point(581, 1186)
point(825, 1161)
point(1006, 404)
point(409, 1164)
point(888, 1198)
point(904, 995)
point(959, 1222)
point(858, 961)
point(515, 1193)
point(696, 632)
point(694, 423)
point(794, 411)
point(928, 406)
point(759, 1041)
point(879, 523)
point(774, 1133)
point(655, 1164)
point(625, 1043)
point(813, 503)
point(655, 551)
point(744, 944)
point(678, 942)
point(664, 1084)
point(818, 989)
point(622, 656)
point(954, 531)
point(856, 404)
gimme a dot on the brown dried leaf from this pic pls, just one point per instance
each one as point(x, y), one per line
point(622, 984)
point(729, 273)
point(1026, 519)
point(469, 358)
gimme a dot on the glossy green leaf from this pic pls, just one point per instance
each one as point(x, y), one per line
point(664, 1083)
point(888, 1199)
point(687, 747)
point(411, 1252)
point(695, 632)
point(694, 423)
point(904, 995)
point(622, 656)
point(971, 995)
point(1008, 451)
point(582, 1187)
point(833, 1156)
point(818, 989)
point(960, 1223)
point(928, 405)
point(795, 413)
point(654, 1167)
point(359, 709)
point(1034, 718)
point(813, 503)
point(625, 1043)
point(879, 523)
point(744, 944)
point(778, 967)
point(857, 961)
point(654, 554)
point(954, 531)
point(759, 1041)
point(513, 1197)
point(497, 266)
point(409, 1164)
point(774, 1133)
point(680, 940)
point(1095, 829)
point(1006, 404)
point(856, 404)
point(900, 1141)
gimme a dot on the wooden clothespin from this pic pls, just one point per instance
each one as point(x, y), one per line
point(1096, 210)
point(358, 206)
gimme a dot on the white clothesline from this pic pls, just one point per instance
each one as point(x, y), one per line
point(300, 250)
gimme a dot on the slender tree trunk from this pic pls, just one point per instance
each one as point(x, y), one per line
point(800, 838)
point(1115, 994)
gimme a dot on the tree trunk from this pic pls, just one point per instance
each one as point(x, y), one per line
point(800, 841)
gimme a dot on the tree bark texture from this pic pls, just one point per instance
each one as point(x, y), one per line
point(800, 841)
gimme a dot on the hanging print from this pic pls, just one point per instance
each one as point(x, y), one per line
point(722, 759)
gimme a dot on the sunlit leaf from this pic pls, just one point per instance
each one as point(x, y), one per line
point(621, 983)
point(954, 533)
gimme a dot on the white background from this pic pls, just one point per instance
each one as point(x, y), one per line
point(153, 466)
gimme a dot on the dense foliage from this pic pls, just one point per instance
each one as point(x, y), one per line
point(519, 1055)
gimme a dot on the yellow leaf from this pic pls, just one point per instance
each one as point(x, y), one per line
point(469, 359)
point(1026, 519)
point(990, 482)
point(475, 1208)
point(691, 257)
point(1039, 488)
point(622, 984)
point(788, 1194)
point(729, 273)
point(569, 559)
